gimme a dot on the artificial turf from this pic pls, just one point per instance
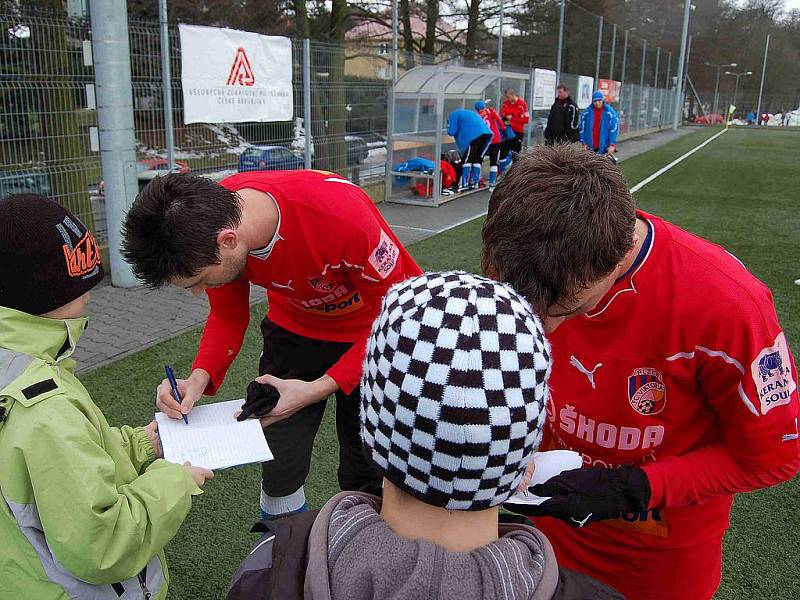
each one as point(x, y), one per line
point(740, 191)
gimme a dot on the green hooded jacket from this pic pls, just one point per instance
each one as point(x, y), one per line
point(86, 510)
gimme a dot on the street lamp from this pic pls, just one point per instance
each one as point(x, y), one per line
point(736, 89)
point(716, 84)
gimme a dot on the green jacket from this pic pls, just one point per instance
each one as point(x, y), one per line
point(87, 510)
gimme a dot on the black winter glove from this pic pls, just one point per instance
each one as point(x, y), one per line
point(587, 495)
point(261, 399)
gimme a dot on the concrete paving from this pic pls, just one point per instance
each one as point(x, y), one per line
point(125, 321)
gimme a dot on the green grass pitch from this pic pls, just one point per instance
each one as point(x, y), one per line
point(740, 191)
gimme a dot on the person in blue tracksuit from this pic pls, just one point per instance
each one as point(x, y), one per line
point(473, 137)
point(599, 126)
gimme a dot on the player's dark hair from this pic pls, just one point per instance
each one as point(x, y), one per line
point(561, 219)
point(171, 229)
point(561, 86)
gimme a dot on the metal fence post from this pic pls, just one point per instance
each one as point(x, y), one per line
point(166, 82)
point(530, 110)
point(641, 87)
point(307, 101)
point(622, 79)
point(763, 73)
point(112, 67)
point(687, 8)
point(560, 41)
point(394, 41)
point(599, 50)
point(613, 51)
point(655, 82)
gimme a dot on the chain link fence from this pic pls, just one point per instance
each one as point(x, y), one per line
point(48, 119)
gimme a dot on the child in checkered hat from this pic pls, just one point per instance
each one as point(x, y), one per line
point(452, 407)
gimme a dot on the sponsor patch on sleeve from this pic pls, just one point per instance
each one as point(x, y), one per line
point(384, 256)
point(772, 374)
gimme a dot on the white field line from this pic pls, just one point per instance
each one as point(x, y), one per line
point(634, 189)
point(663, 170)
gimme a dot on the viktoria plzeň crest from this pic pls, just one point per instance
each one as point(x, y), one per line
point(646, 391)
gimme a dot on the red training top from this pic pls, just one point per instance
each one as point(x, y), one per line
point(597, 122)
point(682, 368)
point(332, 259)
point(519, 114)
point(493, 122)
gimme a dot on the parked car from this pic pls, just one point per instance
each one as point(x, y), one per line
point(357, 150)
point(269, 158)
point(25, 182)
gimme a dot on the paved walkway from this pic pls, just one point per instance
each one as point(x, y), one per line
point(125, 321)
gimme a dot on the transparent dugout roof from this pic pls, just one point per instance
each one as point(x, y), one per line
point(452, 81)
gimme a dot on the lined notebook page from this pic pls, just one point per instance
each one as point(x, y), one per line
point(213, 439)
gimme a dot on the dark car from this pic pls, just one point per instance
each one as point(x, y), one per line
point(269, 158)
point(357, 150)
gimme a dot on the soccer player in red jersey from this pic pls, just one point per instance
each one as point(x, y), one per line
point(326, 257)
point(671, 375)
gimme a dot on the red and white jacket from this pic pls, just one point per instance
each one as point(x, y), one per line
point(684, 370)
point(332, 260)
point(494, 122)
point(518, 111)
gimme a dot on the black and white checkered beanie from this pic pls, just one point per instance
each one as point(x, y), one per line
point(454, 389)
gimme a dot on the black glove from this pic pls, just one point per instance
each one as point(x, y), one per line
point(583, 496)
point(261, 399)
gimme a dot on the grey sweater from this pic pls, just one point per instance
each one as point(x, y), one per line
point(355, 555)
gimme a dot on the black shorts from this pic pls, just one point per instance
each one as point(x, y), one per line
point(494, 153)
point(477, 149)
point(505, 148)
point(291, 356)
point(515, 145)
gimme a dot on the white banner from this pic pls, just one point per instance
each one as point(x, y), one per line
point(544, 89)
point(230, 76)
point(585, 91)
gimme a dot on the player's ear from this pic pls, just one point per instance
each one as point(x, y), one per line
point(228, 239)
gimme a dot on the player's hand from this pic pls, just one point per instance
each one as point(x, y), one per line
point(295, 395)
point(199, 474)
point(152, 432)
point(526, 479)
point(191, 391)
point(587, 495)
point(611, 149)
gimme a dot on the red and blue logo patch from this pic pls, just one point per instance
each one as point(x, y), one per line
point(647, 392)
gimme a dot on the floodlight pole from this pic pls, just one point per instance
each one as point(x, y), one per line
point(599, 50)
point(560, 41)
point(166, 83)
point(613, 51)
point(763, 73)
point(687, 9)
point(500, 37)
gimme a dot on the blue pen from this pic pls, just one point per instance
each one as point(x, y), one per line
point(174, 384)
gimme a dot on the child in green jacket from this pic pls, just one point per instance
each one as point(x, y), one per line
point(86, 508)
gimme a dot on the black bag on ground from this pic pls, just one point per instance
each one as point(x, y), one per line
point(275, 566)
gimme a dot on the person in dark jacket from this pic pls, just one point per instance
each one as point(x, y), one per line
point(563, 122)
point(453, 399)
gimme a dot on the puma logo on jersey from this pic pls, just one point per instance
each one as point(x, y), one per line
point(583, 522)
point(589, 374)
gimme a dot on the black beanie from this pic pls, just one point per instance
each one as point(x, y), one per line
point(48, 258)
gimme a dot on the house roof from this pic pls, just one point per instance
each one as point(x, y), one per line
point(374, 31)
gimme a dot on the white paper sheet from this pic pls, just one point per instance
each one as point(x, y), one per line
point(213, 439)
point(548, 465)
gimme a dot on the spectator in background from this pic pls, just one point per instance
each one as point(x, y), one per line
point(516, 108)
point(563, 122)
point(473, 138)
point(453, 401)
point(599, 126)
point(495, 123)
point(751, 118)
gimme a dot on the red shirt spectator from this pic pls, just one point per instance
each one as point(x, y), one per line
point(516, 108)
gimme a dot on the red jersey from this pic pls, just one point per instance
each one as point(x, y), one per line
point(684, 353)
point(518, 111)
point(493, 122)
point(331, 261)
point(597, 124)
